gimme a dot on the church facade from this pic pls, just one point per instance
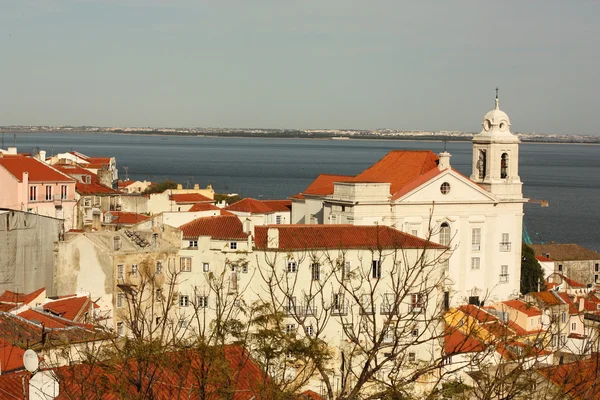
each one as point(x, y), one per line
point(478, 217)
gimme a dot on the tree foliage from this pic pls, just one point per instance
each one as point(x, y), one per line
point(532, 273)
point(161, 187)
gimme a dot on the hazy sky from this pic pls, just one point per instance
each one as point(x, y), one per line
point(429, 65)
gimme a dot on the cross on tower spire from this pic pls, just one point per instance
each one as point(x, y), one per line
point(496, 106)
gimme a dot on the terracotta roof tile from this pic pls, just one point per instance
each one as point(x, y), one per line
point(125, 218)
point(186, 198)
point(571, 282)
point(399, 167)
point(15, 297)
point(260, 206)
point(456, 342)
point(415, 183)
point(547, 298)
point(203, 207)
point(41, 317)
point(527, 309)
point(301, 237)
point(71, 308)
point(37, 170)
point(573, 308)
point(93, 187)
point(565, 252)
point(579, 380)
point(543, 258)
point(323, 185)
point(11, 358)
point(217, 227)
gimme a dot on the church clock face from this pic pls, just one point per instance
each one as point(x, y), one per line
point(487, 125)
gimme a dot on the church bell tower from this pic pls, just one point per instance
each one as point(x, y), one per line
point(496, 156)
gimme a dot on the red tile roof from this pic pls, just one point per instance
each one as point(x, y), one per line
point(71, 308)
point(573, 308)
point(565, 252)
point(94, 187)
point(125, 218)
point(323, 185)
point(260, 206)
point(204, 207)
point(478, 313)
point(415, 183)
point(572, 282)
point(38, 317)
point(186, 198)
point(124, 184)
point(400, 167)
point(547, 298)
point(527, 309)
point(579, 380)
point(11, 359)
point(217, 227)
point(456, 342)
point(309, 395)
point(300, 237)
point(15, 297)
point(38, 171)
point(543, 258)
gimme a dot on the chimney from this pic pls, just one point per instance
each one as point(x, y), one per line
point(444, 162)
point(248, 226)
point(196, 186)
point(581, 304)
point(12, 150)
point(179, 186)
point(42, 154)
point(273, 238)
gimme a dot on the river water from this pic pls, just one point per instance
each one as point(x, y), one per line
point(567, 175)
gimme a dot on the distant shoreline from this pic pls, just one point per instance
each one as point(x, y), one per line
point(296, 135)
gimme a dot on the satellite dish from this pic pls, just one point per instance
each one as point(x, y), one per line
point(31, 360)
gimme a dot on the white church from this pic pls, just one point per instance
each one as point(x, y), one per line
point(479, 217)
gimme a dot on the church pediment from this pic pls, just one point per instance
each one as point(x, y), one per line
point(448, 186)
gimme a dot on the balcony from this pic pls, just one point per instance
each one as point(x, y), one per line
point(387, 309)
point(339, 310)
point(505, 246)
point(300, 310)
point(367, 310)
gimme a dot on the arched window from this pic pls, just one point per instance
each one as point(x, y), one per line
point(445, 234)
point(504, 166)
point(482, 164)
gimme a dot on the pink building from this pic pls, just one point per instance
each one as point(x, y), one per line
point(28, 184)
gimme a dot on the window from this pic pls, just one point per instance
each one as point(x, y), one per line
point(205, 267)
point(292, 267)
point(346, 271)
point(446, 300)
point(202, 301)
point(87, 202)
point(120, 271)
point(596, 267)
point(134, 270)
point(159, 267)
point(476, 239)
point(185, 264)
point(376, 269)
point(415, 332)
point(291, 308)
point(414, 232)
point(445, 234)
point(474, 300)
point(184, 300)
point(596, 278)
point(183, 323)
point(158, 295)
point(63, 192)
point(116, 243)
point(233, 245)
point(278, 219)
point(563, 317)
point(48, 192)
point(504, 166)
point(389, 301)
point(120, 299)
point(416, 302)
point(482, 164)
point(290, 329)
point(32, 193)
point(475, 262)
point(412, 357)
point(310, 330)
point(445, 188)
point(560, 268)
point(315, 271)
point(244, 268)
point(338, 303)
point(573, 326)
point(505, 243)
point(503, 273)
point(120, 328)
point(366, 304)
point(193, 244)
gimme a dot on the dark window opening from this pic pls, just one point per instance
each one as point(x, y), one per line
point(504, 166)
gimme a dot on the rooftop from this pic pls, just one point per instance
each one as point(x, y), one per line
point(217, 227)
point(38, 171)
point(565, 252)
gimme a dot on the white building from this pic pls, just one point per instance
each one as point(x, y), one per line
point(479, 217)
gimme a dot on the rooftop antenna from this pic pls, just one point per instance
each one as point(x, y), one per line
point(126, 173)
point(2, 141)
point(445, 144)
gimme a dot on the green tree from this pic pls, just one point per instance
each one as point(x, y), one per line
point(532, 273)
point(161, 187)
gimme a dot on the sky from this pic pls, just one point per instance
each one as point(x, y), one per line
point(333, 64)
